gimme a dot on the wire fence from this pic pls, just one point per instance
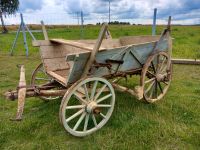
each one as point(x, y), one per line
point(92, 18)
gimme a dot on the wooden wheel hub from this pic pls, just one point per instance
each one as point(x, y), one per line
point(160, 77)
point(91, 107)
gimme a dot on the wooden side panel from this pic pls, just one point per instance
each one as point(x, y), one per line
point(138, 39)
point(141, 52)
point(55, 64)
point(53, 57)
point(58, 51)
point(78, 66)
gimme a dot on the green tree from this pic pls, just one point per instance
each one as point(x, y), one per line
point(7, 7)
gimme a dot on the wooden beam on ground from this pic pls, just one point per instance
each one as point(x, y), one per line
point(21, 94)
point(186, 61)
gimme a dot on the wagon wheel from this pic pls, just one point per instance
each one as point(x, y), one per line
point(156, 76)
point(87, 106)
point(39, 77)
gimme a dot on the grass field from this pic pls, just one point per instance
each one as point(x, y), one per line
point(173, 123)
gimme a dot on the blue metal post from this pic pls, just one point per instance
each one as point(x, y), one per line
point(82, 21)
point(24, 34)
point(154, 22)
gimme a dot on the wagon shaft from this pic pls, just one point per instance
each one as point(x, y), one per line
point(137, 92)
point(13, 95)
point(21, 94)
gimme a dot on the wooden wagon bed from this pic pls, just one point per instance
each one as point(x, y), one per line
point(57, 53)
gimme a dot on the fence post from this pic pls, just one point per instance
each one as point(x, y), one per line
point(82, 22)
point(154, 22)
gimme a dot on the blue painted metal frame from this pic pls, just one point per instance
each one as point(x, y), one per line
point(154, 22)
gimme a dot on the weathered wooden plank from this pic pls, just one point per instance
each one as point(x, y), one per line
point(59, 51)
point(85, 46)
point(21, 94)
point(57, 77)
point(55, 64)
point(95, 50)
point(186, 61)
point(44, 31)
point(38, 43)
point(64, 73)
point(79, 62)
point(106, 43)
point(129, 40)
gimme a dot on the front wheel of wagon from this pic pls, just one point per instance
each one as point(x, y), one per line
point(156, 76)
point(39, 78)
point(87, 106)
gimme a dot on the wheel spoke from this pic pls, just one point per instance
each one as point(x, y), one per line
point(75, 107)
point(151, 73)
point(151, 94)
point(150, 80)
point(160, 87)
point(80, 98)
point(162, 63)
point(79, 121)
point(86, 92)
point(42, 79)
point(103, 105)
point(103, 115)
point(165, 82)
point(149, 87)
point(153, 67)
point(99, 92)
point(86, 122)
point(157, 62)
point(162, 70)
point(75, 115)
point(93, 90)
point(156, 89)
point(104, 98)
point(94, 120)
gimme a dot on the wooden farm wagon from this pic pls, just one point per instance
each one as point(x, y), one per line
point(86, 72)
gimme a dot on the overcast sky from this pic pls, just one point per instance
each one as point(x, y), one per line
point(137, 11)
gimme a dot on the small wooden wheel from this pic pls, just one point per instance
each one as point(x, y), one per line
point(87, 106)
point(39, 77)
point(156, 76)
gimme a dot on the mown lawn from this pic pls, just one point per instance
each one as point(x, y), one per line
point(173, 123)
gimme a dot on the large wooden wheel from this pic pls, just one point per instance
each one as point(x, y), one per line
point(156, 76)
point(87, 106)
point(39, 78)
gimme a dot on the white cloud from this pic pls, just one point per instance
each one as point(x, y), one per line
point(137, 11)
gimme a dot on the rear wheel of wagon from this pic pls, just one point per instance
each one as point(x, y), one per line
point(156, 76)
point(39, 77)
point(87, 106)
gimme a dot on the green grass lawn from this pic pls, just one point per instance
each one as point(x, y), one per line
point(172, 123)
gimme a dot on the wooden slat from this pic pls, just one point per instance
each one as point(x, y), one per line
point(37, 43)
point(75, 44)
point(138, 39)
point(95, 50)
point(57, 77)
point(44, 31)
